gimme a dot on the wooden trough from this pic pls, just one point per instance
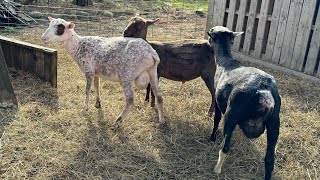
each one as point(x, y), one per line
point(38, 60)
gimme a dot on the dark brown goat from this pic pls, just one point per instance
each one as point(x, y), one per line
point(181, 60)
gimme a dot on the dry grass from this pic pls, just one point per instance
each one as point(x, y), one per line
point(49, 138)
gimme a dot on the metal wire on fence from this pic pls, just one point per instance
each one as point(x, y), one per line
point(108, 17)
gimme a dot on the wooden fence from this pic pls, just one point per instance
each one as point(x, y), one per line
point(283, 32)
point(36, 59)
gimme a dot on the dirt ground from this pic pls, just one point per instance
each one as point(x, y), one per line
point(49, 137)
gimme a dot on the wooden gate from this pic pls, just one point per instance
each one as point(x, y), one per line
point(283, 32)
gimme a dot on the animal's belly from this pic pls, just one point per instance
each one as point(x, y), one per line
point(177, 71)
point(252, 128)
point(109, 76)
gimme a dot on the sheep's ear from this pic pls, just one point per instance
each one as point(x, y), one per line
point(71, 26)
point(50, 18)
point(235, 34)
point(210, 35)
point(149, 22)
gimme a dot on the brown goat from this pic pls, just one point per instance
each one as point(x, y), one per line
point(181, 60)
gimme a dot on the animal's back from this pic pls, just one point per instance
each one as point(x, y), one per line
point(109, 56)
point(188, 55)
point(243, 81)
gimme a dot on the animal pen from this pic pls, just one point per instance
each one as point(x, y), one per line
point(48, 137)
point(285, 33)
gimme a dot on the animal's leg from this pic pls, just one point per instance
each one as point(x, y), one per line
point(128, 91)
point(210, 85)
point(148, 93)
point(152, 94)
point(230, 124)
point(155, 89)
point(96, 86)
point(89, 77)
point(272, 125)
point(216, 121)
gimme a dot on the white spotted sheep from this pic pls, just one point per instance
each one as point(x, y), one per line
point(125, 60)
point(247, 97)
point(181, 60)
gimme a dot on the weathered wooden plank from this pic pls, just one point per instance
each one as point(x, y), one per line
point(47, 67)
point(273, 29)
point(232, 9)
point(220, 12)
point(209, 24)
point(318, 74)
point(240, 23)
point(17, 57)
point(32, 64)
point(250, 24)
point(7, 56)
point(291, 32)
point(40, 65)
point(54, 71)
point(25, 44)
point(261, 28)
point(251, 59)
point(30, 57)
point(216, 13)
point(25, 59)
point(7, 96)
point(303, 33)
point(314, 48)
point(281, 31)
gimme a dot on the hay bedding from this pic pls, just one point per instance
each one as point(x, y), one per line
point(49, 137)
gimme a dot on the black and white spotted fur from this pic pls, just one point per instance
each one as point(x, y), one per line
point(124, 60)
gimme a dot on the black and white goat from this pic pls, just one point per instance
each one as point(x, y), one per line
point(247, 97)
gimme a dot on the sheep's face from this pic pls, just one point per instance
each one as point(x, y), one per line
point(222, 34)
point(138, 27)
point(56, 31)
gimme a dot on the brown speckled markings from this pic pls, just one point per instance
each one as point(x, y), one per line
point(125, 60)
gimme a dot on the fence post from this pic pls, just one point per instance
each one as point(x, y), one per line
point(209, 18)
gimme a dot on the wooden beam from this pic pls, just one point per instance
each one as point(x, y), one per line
point(261, 28)
point(314, 48)
point(243, 57)
point(209, 24)
point(250, 25)
point(273, 29)
point(291, 32)
point(232, 9)
point(7, 96)
point(240, 24)
point(32, 58)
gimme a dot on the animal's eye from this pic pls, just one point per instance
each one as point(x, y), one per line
point(60, 29)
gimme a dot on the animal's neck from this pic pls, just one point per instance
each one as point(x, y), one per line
point(72, 43)
point(223, 56)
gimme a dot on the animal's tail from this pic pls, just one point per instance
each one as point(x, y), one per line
point(266, 101)
point(156, 57)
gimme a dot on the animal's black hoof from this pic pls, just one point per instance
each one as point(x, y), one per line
point(98, 105)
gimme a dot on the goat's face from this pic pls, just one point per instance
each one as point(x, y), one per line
point(57, 30)
point(138, 27)
point(219, 33)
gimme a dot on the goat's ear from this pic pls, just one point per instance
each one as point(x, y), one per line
point(235, 34)
point(149, 22)
point(209, 34)
point(50, 18)
point(71, 26)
